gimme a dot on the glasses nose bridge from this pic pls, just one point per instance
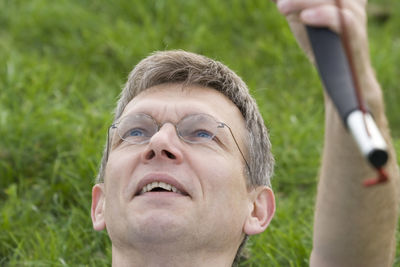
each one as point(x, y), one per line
point(160, 126)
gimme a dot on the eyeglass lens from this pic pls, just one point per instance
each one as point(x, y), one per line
point(139, 128)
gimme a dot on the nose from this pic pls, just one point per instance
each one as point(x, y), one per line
point(164, 145)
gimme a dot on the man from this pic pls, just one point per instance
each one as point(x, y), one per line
point(185, 175)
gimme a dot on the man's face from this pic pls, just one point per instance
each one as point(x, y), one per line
point(213, 202)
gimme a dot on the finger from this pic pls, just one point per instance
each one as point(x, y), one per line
point(328, 16)
point(287, 7)
point(322, 16)
point(295, 6)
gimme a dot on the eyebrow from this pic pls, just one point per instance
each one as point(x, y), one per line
point(139, 107)
point(181, 116)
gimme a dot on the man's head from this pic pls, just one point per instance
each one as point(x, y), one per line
point(217, 199)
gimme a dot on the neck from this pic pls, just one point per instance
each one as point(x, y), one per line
point(153, 256)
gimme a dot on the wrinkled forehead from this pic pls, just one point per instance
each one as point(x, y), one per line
point(178, 100)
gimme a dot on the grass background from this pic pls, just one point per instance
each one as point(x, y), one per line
point(62, 64)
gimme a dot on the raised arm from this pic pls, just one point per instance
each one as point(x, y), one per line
point(353, 225)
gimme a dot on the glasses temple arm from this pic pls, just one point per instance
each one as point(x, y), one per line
point(237, 145)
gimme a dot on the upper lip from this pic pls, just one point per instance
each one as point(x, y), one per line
point(160, 177)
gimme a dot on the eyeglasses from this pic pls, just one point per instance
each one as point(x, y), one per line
point(139, 128)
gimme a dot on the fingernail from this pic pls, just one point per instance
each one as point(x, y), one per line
point(283, 6)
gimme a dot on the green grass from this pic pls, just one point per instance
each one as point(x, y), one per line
point(62, 64)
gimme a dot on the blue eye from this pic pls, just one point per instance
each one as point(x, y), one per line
point(204, 134)
point(136, 132)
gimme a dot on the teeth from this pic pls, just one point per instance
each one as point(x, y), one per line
point(151, 186)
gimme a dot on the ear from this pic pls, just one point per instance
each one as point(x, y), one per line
point(97, 211)
point(261, 210)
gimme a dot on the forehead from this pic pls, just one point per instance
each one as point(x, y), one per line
point(173, 101)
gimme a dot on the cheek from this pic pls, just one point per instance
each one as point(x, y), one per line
point(119, 171)
point(228, 173)
point(226, 199)
point(221, 177)
point(121, 162)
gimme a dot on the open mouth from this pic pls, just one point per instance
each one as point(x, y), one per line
point(160, 187)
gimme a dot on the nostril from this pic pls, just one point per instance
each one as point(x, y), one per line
point(150, 154)
point(169, 154)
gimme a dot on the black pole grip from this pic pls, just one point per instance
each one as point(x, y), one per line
point(334, 70)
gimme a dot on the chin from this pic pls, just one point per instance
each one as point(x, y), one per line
point(158, 226)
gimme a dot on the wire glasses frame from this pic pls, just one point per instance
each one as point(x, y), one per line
point(142, 135)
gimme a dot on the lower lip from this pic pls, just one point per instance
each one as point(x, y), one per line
point(161, 194)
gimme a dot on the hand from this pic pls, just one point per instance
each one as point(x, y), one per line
point(324, 13)
point(340, 194)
